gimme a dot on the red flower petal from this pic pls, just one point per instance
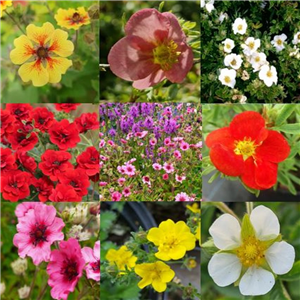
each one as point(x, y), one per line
point(265, 174)
point(220, 136)
point(248, 176)
point(274, 148)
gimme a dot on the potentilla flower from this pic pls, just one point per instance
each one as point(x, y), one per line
point(184, 146)
point(227, 77)
point(157, 274)
point(121, 181)
point(65, 269)
point(7, 160)
point(278, 42)
point(44, 186)
point(72, 18)
point(87, 121)
point(268, 74)
point(141, 134)
point(129, 170)
point(21, 140)
point(89, 161)
point(116, 196)
point(228, 45)
point(257, 60)
point(37, 230)
point(172, 240)
point(64, 193)
point(149, 56)
point(233, 60)
point(246, 148)
point(182, 197)
point(92, 259)
point(21, 111)
point(179, 178)
point(157, 166)
point(165, 177)
point(177, 154)
point(4, 5)
point(153, 141)
point(66, 107)
point(146, 180)
point(126, 192)
point(168, 167)
point(239, 26)
point(250, 254)
point(43, 118)
point(296, 39)
point(251, 45)
point(42, 54)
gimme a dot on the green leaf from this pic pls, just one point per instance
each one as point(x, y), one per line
point(161, 6)
point(215, 176)
point(284, 113)
point(289, 128)
point(293, 274)
point(279, 292)
point(107, 219)
point(209, 247)
point(208, 170)
point(247, 228)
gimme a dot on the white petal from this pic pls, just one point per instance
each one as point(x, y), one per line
point(226, 232)
point(256, 281)
point(224, 268)
point(281, 257)
point(265, 223)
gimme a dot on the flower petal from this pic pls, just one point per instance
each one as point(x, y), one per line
point(175, 31)
point(40, 35)
point(220, 136)
point(265, 223)
point(224, 268)
point(57, 66)
point(59, 43)
point(151, 80)
point(159, 286)
point(265, 174)
point(256, 281)
point(248, 176)
point(23, 51)
point(281, 257)
point(34, 71)
point(226, 232)
point(274, 148)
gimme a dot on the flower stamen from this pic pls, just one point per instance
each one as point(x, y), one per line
point(246, 148)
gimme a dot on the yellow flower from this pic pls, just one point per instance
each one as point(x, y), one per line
point(72, 18)
point(191, 263)
point(122, 258)
point(41, 54)
point(158, 274)
point(172, 240)
point(194, 208)
point(198, 233)
point(4, 5)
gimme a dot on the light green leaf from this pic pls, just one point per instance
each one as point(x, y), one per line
point(284, 113)
point(279, 292)
point(247, 228)
point(288, 128)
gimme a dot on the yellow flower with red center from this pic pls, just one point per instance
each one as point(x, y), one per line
point(72, 18)
point(42, 54)
point(4, 5)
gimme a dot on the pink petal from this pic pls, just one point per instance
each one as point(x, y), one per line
point(97, 250)
point(45, 214)
point(175, 31)
point(151, 80)
point(88, 254)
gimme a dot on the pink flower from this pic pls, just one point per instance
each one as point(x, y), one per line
point(168, 167)
point(121, 181)
point(153, 49)
point(184, 146)
point(179, 178)
point(146, 180)
point(101, 144)
point(23, 208)
point(65, 268)
point(141, 134)
point(167, 141)
point(92, 259)
point(153, 141)
point(157, 166)
point(103, 183)
point(38, 229)
point(121, 169)
point(116, 196)
point(165, 177)
point(182, 197)
point(126, 192)
point(177, 154)
point(129, 170)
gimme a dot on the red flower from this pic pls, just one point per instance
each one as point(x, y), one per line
point(55, 163)
point(87, 121)
point(249, 150)
point(64, 193)
point(44, 187)
point(21, 140)
point(66, 107)
point(27, 161)
point(43, 118)
point(15, 185)
point(77, 179)
point(8, 161)
point(7, 123)
point(89, 161)
point(19, 111)
point(64, 134)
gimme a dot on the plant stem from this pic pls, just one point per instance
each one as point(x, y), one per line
point(249, 207)
point(14, 20)
point(33, 282)
point(42, 292)
point(225, 209)
point(76, 39)
point(49, 9)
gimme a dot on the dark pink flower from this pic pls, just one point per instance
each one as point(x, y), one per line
point(153, 49)
point(37, 230)
point(92, 259)
point(65, 268)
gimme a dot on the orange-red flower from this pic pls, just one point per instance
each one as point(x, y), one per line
point(42, 54)
point(4, 5)
point(246, 148)
point(72, 18)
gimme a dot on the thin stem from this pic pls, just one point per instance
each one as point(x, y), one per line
point(41, 294)
point(49, 9)
point(14, 20)
point(33, 282)
point(76, 39)
point(249, 207)
point(225, 209)
point(87, 223)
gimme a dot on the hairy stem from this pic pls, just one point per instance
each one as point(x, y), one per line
point(14, 20)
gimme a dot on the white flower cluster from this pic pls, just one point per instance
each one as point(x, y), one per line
point(208, 5)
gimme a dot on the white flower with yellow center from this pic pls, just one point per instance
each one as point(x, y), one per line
point(228, 45)
point(296, 39)
point(268, 74)
point(227, 77)
point(233, 60)
point(208, 4)
point(239, 26)
point(278, 42)
point(250, 46)
point(250, 254)
point(257, 60)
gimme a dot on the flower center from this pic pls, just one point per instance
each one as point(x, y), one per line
point(169, 242)
point(76, 17)
point(96, 266)
point(228, 46)
point(298, 36)
point(240, 27)
point(269, 74)
point(251, 45)
point(69, 269)
point(251, 252)
point(257, 58)
point(246, 148)
point(38, 234)
point(166, 55)
point(42, 52)
point(233, 62)
point(227, 79)
point(279, 42)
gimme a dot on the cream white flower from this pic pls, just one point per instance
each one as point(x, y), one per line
point(295, 52)
point(2, 288)
point(208, 4)
point(19, 266)
point(257, 60)
point(250, 46)
point(243, 99)
point(239, 26)
point(296, 39)
point(227, 77)
point(233, 60)
point(24, 292)
point(228, 45)
point(78, 213)
point(268, 74)
point(278, 42)
point(222, 17)
point(248, 252)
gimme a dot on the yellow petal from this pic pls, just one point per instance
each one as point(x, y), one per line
point(154, 235)
point(144, 282)
point(35, 72)
point(23, 51)
point(57, 66)
point(167, 226)
point(188, 240)
point(40, 35)
point(162, 254)
point(63, 17)
point(159, 286)
point(177, 252)
point(60, 45)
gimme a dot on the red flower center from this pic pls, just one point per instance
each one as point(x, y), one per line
point(76, 17)
point(38, 234)
point(96, 266)
point(69, 269)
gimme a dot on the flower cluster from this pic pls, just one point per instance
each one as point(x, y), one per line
point(150, 152)
point(38, 154)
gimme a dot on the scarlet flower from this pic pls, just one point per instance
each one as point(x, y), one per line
point(27, 161)
point(19, 110)
point(92, 258)
point(7, 124)
point(64, 134)
point(65, 269)
point(42, 54)
point(15, 185)
point(64, 193)
point(72, 18)
point(153, 49)
point(249, 150)
point(44, 187)
point(8, 160)
point(87, 121)
point(21, 140)
point(43, 118)
point(55, 163)
point(89, 161)
point(66, 107)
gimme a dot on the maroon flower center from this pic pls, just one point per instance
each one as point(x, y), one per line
point(76, 17)
point(18, 112)
point(38, 234)
point(41, 121)
point(95, 266)
point(56, 163)
point(42, 52)
point(74, 183)
point(93, 158)
point(69, 269)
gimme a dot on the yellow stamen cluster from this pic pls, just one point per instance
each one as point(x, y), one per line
point(251, 45)
point(246, 148)
point(240, 27)
point(279, 42)
point(227, 79)
point(269, 74)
